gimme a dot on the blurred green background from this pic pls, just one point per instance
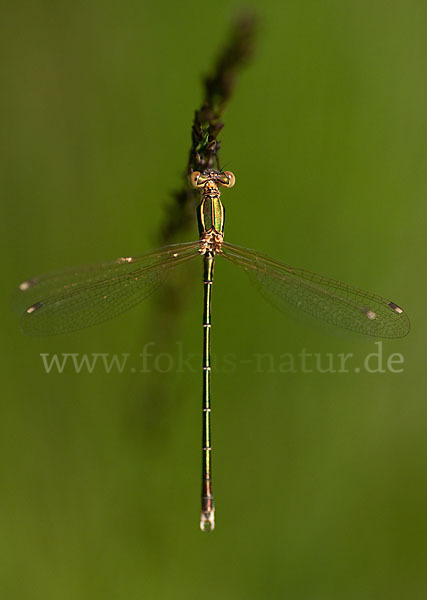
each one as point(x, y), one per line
point(319, 478)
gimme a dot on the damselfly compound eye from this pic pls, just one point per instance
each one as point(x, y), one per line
point(231, 179)
point(194, 179)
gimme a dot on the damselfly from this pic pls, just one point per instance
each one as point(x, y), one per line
point(80, 297)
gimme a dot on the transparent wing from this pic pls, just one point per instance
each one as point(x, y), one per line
point(84, 296)
point(326, 299)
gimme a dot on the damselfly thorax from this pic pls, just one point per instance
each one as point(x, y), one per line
point(210, 212)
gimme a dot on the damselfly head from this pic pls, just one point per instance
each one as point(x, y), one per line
point(224, 178)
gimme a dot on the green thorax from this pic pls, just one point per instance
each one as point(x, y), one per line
point(211, 210)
